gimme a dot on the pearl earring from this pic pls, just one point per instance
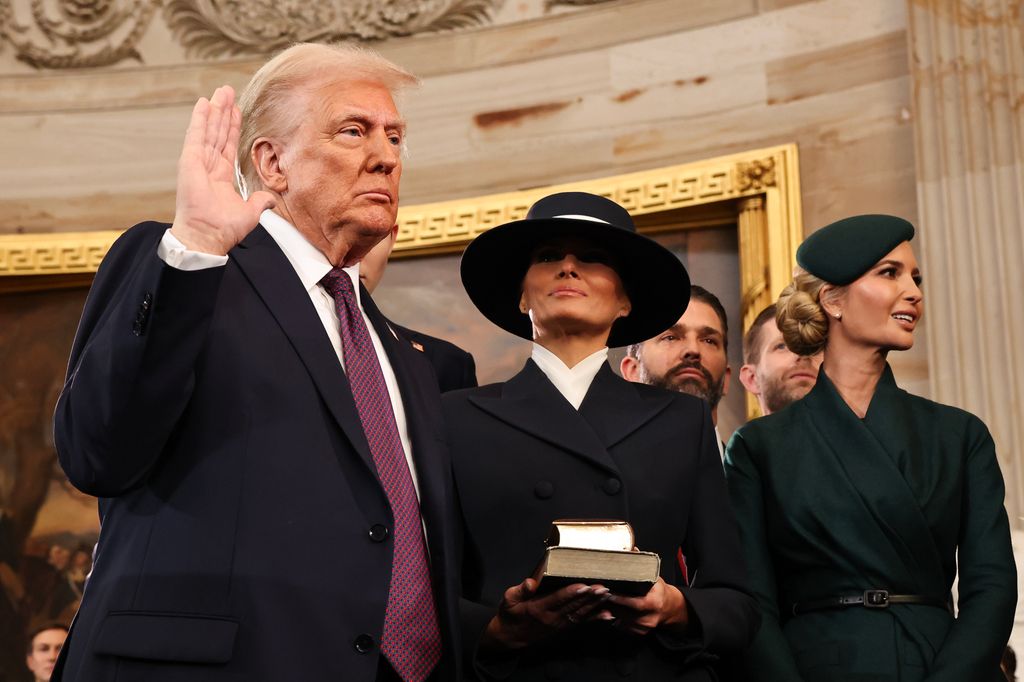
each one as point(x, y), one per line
point(837, 315)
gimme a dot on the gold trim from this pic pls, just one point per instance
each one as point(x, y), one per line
point(757, 191)
point(771, 174)
point(58, 253)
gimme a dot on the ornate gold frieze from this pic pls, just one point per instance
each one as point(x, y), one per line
point(770, 224)
point(54, 254)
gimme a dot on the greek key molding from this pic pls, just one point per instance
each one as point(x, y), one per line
point(767, 214)
point(54, 254)
point(450, 225)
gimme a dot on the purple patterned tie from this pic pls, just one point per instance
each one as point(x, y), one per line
point(411, 640)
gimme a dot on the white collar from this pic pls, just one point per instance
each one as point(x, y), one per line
point(571, 382)
point(309, 262)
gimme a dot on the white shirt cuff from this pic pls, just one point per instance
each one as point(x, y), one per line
point(178, 256)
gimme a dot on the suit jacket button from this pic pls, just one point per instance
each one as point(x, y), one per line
point(544, 489)
point(612, 486)
point(363, 644)
point(378, 532)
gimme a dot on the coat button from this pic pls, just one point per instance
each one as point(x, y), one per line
point(612, 486)
point(544, 489)
point(363, 644)
point(378, 533)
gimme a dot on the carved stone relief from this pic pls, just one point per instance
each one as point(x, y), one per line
point(210, 28)
point(60, 34)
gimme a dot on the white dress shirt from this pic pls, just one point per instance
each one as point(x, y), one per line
point(571, 382)
point(310, 266)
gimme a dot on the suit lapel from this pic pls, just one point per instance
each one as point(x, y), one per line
point(893, 516)
point(276, 283)
point(615, 409)
point(531, 403)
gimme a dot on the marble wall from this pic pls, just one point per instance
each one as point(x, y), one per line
point(539, 93)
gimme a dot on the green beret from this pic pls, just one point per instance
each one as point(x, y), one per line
point(843, 251)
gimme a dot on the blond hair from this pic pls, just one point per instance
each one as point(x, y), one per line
point(800, 315)
point(268, 102)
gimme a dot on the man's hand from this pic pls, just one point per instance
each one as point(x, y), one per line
point(210, 216)
point(664, 606)
point(524, 618)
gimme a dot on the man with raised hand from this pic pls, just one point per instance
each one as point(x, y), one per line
point(274, 491)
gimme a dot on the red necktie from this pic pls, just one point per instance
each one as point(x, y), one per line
point(411, 640)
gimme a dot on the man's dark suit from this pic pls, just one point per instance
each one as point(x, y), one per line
point(454, 367)
point(244, 529)
point(523, 457)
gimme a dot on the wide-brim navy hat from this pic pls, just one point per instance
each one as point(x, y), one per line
point(494, 264)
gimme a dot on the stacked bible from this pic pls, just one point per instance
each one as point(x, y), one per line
point(596, 552)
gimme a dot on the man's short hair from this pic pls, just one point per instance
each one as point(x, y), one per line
point(42, 627)
point(267, 103)
point(753, 341)
point(697, 293)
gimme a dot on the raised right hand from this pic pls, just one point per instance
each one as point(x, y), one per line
point(209, 214)
point(523, 618)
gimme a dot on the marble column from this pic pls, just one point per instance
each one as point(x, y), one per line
point(967, 74)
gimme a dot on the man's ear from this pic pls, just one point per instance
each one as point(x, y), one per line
point(725, 380)
point(748, 377)
point(266, 159)
point(630, 368)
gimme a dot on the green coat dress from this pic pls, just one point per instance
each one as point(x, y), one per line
point(829, 504)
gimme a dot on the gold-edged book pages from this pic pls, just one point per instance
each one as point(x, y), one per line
point(596, 552)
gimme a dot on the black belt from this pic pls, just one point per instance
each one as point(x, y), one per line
point(871, 599)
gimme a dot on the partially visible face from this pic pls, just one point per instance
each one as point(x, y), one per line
point(59, 557)
point(690, 356)
point(342, 165)
point(782, 376)
point(371, 268)
point(43, 653)
point(883, 307)
point(571, 288)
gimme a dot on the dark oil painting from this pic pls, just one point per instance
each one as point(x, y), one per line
point(47, 528)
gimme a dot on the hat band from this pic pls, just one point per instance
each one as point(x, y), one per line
point(582, 217)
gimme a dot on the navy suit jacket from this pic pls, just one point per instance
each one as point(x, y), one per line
point(241, 511)
point(454, 367)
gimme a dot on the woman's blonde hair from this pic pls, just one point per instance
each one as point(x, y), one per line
point(269, 104)
point(800, 315)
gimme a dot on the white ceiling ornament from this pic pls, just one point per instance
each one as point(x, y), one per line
point(210, 28)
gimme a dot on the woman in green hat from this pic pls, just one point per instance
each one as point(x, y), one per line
point(857, 503)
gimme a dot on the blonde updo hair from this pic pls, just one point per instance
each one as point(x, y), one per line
point(800, 315)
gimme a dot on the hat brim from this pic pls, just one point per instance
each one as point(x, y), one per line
point(494, 264)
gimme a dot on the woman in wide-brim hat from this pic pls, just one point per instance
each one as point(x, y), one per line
point(855, 501)
point(567, 438)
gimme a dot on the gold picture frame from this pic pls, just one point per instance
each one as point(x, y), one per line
point(757, 190)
